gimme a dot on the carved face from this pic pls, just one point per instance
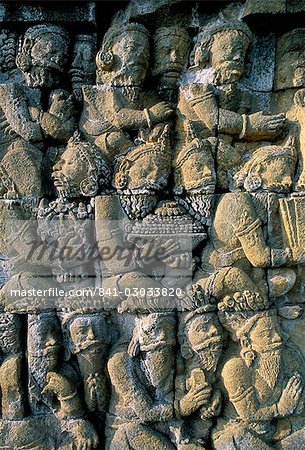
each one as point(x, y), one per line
point(69, 172)
point(87, 333)
point(155, 333)
point(149, 171)
point(205, 339)
point(197, 172)
point(48, 55)
point(45, 340)
point(83, 61)
point(228, 53)
point(131, 59)
point(265, 336)
point(170, 54)
point(291, 68)
point(277, 174)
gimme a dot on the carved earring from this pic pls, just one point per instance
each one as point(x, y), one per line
point(89, 187)
point(104, 60)
point(248, 356)
point(252, 183)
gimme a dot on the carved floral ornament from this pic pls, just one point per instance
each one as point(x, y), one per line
point(152, 196)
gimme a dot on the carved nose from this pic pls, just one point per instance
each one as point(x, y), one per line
point(57, 166)
point(173, 56)
point(50, 341)
point(90, 333)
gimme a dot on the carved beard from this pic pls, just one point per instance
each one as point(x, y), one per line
point(157, 366)
point(226, 75)
point(41, 76)
point(269, 367)
point(208, 360)
point(137, 206)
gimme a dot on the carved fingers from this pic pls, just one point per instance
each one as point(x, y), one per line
point(260, 125)
point(291, 395)
point(160, 112)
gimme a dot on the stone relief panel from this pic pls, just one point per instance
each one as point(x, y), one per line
point(152, 198)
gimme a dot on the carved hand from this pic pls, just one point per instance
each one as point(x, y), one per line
point(262, 126)
point(213, 408)
point(160, 112)
point(198, 395)
point(290, 396)
point(86, 437)
point(95, 392)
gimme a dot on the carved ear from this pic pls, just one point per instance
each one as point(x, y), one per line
point(245, 343)
point(23, 59)
point(248, 356)
point(104, 60)
point(252, 183)
point(89, 187)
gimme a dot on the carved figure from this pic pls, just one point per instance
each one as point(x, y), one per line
point(12, 392)
point(121, 118)
point(141, 372)
point(213, 103)
point(25, 121)
point(82, 69)
point(264, 384)
point(89, 341)
point(237, 247)
point(49, 378)
point(171, 51)
point(197, 400)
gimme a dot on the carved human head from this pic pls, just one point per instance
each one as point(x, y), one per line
point(261, 340)
point(152, 332)
point(43, 54)
point(81, 170)
point(171, 51)
point(123, 59)
point(143, 169)
point(201, 336)
point(154, 338)
point(271, 168)
point(194, 169)
point(223, 47)
point(88, 333)
point(44, 338)
point(82, 69)
point(290, 60)
point(258, 333)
